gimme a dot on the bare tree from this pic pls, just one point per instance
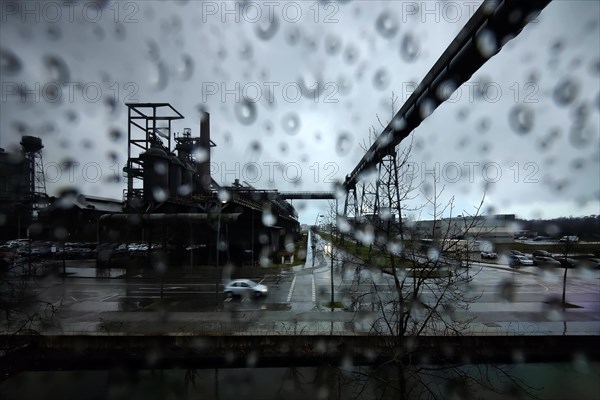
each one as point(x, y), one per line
point(428, 270)
point(22, 312)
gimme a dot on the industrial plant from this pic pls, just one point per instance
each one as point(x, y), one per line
point(170, 202)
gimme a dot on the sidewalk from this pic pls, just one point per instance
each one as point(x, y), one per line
point(263, 322)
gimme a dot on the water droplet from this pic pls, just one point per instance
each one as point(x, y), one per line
point(398, 123)
point(57, 69)
point(534, 76)
point(507, 290)
point(283, 147)
point(433, 253)
point(554, 133)
point(159, 194)
point(580, 114)
point(9, 63)
point(255, 147)
point(293, 36)
point(565, 92)
point(160, 168)
point(159, 75)
point(577, 163)
point(311, 43)
point(426, 107)
point(333, 45)
point(111, 104)
point(557, 46)
point(54, 32)
point(245, 112)
point(267, 28)
point(381, 79)
point(351, 54)
point(112, 156)
point(71, 116)
point(251, 171)
point(115, 134)
point(223, 195)
point(98, 31)
point(387, 24)
point(310, 84)
point(186, 67)
point(445, 90)
point(344, 85)
point(246, 52)
point(484, 124)
point(268, 127)
point(346, 363)
point(268, 219)
point(384, 139)
point(152, 50)
point(20, 127)
point(344, 143)
point(521, 119)
point(409, 48)
point(120, 32)
point(87, 144)
point(487, 43)
point(184, 190)
point(365, 235)
point(581, 136)
point(291, 123)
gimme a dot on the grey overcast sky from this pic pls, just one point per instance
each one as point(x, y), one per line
point(525, 126)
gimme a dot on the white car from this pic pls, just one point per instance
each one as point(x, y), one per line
point(516, 260)
point(245, 287)
point(489, 254)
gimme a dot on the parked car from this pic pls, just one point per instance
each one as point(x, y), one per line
point(489, 255)
point(567, 262)
point(541, 253)
point(547, 261)
point(516, 253)
point(515, 261)
point(245, 287)
point(572, 239)
point(592, 263)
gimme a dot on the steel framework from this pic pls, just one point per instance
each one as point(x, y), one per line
point(487, 31)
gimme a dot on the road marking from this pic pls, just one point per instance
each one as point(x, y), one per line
point(73, 298)
point(289, 298)
point(109, 297)
point(314, 293)
point(170, 291)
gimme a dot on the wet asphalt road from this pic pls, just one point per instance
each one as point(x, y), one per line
point(307, 289)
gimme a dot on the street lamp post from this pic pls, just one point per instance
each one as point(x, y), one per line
point(314, 239)
point(252, 243)
point(333, 218)
point(331, 266)
point(221, 203)
point(466, 244)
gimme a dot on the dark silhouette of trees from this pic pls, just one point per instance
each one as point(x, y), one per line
point(587, 228)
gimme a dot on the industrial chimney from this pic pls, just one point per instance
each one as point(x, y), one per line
point(205, 145)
